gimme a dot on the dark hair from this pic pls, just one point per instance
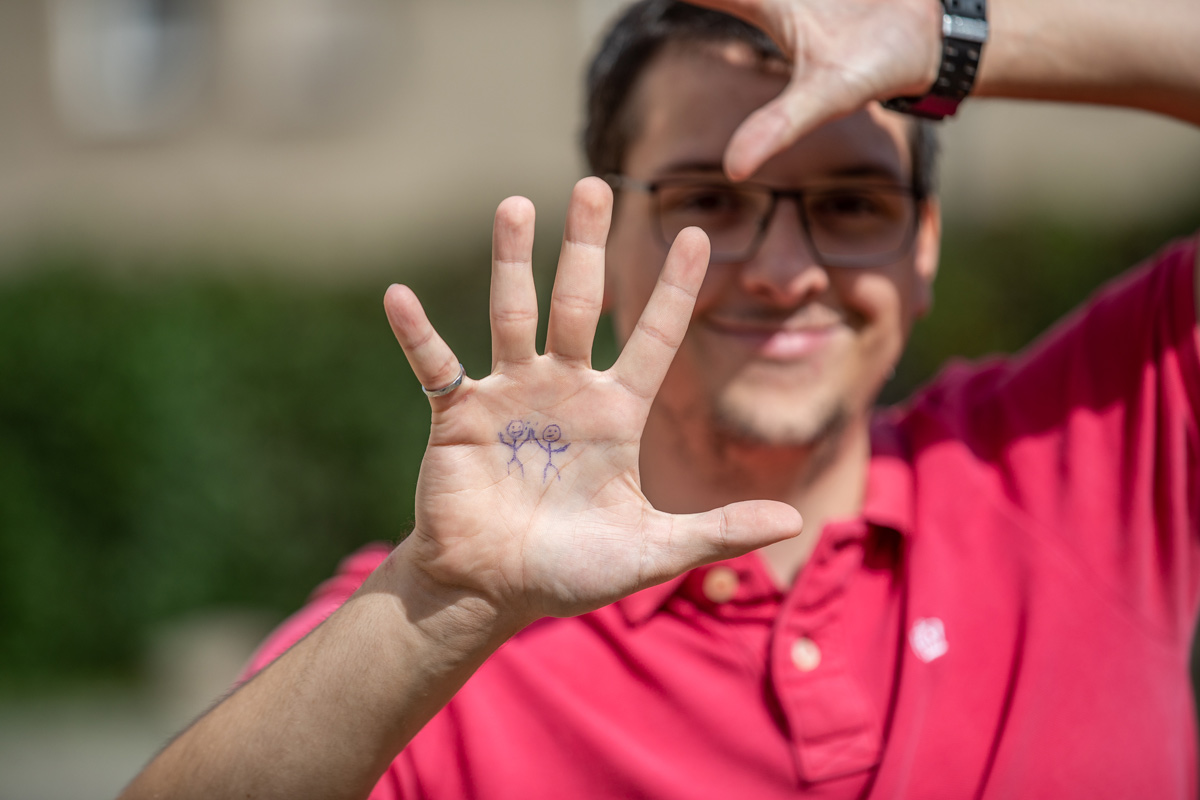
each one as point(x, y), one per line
point(640, 34)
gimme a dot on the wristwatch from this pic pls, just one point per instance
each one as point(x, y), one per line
point(964, 31)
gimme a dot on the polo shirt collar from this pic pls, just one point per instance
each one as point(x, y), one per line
point(641, 606)
point(888, 504)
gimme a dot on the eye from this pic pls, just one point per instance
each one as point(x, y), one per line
point(860, 210)
point(709, 200)
point(849, 204)
point(703, 200)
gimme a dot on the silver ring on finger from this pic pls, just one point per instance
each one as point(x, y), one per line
point(449, 387)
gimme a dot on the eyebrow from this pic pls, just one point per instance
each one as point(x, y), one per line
point(694, 165)
point(863, 170)
point(868, 171)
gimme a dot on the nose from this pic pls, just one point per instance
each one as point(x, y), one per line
point(785, 269)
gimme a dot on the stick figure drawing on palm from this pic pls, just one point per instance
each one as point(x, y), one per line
point(550, 435)
point(519, 432)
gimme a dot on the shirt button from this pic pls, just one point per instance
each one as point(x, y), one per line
point(720, 584)
point(805, 654)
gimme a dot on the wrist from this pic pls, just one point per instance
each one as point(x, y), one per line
point(449, 616)
point(964, 31)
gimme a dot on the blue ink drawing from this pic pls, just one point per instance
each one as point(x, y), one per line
point(550, 435)
point(519, 432)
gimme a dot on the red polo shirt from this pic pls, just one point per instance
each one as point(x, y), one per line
point(1010, 616)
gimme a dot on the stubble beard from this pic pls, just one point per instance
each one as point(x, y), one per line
point(815, 434)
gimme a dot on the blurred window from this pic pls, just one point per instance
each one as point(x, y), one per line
point(301, 65)
point(128, 68)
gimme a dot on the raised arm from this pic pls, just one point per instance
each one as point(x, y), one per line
point(528, 504)
point(849, 52)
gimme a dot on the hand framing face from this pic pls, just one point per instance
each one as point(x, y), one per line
point(844, 54)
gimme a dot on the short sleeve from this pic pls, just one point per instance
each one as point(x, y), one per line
point(324, 600)
point(1092, 433)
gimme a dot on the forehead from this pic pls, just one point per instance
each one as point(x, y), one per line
point(692, 97)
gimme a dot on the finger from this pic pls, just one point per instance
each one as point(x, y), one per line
point(579, 283)
point(643, 363)
point(431, 359)
point(762, 14)
point(776, 125)
point(805, 104)
point(514, 313)
point(689, 540)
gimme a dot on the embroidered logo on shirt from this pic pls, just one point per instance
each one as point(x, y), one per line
point(928, 639)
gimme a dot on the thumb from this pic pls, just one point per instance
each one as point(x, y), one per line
point(808, 101)
point(727, 532)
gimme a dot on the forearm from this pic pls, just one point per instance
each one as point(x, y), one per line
point(328, 716)
point(1112, 52)
point(494, 547)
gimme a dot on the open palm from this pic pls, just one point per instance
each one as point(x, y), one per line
point(529, 495)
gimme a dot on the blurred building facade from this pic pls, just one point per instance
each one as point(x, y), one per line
point(309, 128)
point(327, 133)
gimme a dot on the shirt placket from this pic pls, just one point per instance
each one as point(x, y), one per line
point(834, 728)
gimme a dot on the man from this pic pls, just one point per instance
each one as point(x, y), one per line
point(993, 591)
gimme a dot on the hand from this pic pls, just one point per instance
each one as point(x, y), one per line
point(844, 54)
point(529, 494)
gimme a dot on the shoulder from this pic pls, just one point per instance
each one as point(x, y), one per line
point(1098, 357)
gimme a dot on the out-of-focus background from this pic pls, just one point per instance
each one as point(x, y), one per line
point(201, 405)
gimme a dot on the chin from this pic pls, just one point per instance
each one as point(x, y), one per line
point(770, 425)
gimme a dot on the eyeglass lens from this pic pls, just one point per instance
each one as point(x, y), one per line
point(850, 224)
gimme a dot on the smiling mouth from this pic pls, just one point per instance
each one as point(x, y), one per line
point(777, 342)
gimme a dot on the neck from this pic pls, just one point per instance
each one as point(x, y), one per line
point(686, 472)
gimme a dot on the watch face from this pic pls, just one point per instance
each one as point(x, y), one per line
point(968, 29)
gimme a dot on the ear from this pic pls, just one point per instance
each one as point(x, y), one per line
point(927, 252)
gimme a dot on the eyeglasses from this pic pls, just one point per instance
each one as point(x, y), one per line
point(855, 223)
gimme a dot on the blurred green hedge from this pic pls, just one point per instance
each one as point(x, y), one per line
point(172, 443)
point(196, 441)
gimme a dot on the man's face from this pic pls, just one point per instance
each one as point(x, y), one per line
point(781, 350)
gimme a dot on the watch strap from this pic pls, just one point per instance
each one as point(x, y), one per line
point(964, 32)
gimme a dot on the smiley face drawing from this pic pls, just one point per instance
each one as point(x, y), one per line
point(519, 432)
point(551, 434)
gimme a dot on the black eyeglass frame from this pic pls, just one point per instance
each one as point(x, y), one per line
point(625, 182)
